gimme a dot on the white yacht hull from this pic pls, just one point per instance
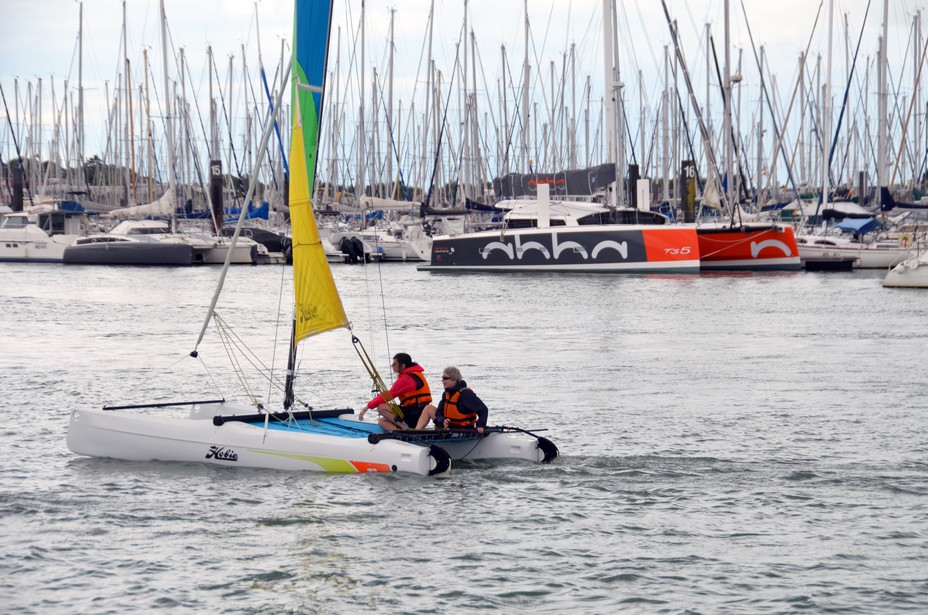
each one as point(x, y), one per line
point(867, 256)
point(20, 247)
point(912, 273)
point(214, 253)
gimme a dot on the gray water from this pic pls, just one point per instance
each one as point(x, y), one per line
point(730, 444)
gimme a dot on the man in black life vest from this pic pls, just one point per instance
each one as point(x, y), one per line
point(459, 406)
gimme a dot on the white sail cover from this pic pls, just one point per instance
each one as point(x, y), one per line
point(163, 207)
point(376, 202)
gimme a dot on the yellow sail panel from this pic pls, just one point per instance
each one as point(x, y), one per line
point(318, 306)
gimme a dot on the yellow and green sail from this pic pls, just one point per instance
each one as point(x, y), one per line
point(318, 306)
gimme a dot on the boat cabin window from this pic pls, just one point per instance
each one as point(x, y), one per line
point(531, 223)
point(52, 223)
point(637, 216)
point(160, 230)
point(594, 219)
point(99, 239)
point(15, 222)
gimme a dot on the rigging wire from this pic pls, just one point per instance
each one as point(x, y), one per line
point(280, 296)
point(379, 384)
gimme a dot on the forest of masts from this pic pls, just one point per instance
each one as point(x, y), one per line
point(457, 127)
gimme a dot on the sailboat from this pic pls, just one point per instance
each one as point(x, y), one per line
point(910, 273)
point(239, 435)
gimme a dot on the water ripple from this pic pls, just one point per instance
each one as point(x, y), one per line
point(729, 446)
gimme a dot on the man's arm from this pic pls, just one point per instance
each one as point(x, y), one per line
point(471, 403)
point(404, 383)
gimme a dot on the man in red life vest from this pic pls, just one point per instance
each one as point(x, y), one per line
point(411, 390)
point(459, 405)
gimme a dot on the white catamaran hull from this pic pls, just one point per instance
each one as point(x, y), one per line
point(496, 445)
point(137, 436)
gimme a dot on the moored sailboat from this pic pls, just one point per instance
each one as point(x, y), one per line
point(545, 235)
point(910, 273)
point(233, 434)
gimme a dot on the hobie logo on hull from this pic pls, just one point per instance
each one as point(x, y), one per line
point(222, 453)
point(517, 249)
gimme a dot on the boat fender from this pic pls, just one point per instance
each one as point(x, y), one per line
point(905, 240)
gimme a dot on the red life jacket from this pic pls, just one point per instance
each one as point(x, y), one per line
point(421, 396)
point(453, 413)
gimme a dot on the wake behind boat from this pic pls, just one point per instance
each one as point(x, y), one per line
point(226, 433)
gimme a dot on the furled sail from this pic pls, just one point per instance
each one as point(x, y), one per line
point(161, 208)
point(318, 306)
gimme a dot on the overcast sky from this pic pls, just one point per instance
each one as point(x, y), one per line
point(38, 37)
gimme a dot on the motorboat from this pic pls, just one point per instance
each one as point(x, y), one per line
point(39, 235)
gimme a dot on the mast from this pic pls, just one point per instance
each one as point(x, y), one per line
point(505, 148)
point(428, 93)
point(620, 112)
point(759, 192)
point(610, 90)
point(390, 132)
point(826, 111)
point(708, 113)
point(882, 159)
point(526, 126)
point(148, 130)
point(665, 129)
point(132, 180)
point(360, 192)
point(803, 175)
point(572, 126)
point(726, 117)
point(79, 128)
point(464, 173)
point(916, 94)
point(169, 130)
point(475, 140)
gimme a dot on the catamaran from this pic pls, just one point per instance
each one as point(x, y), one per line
point(234, 434)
